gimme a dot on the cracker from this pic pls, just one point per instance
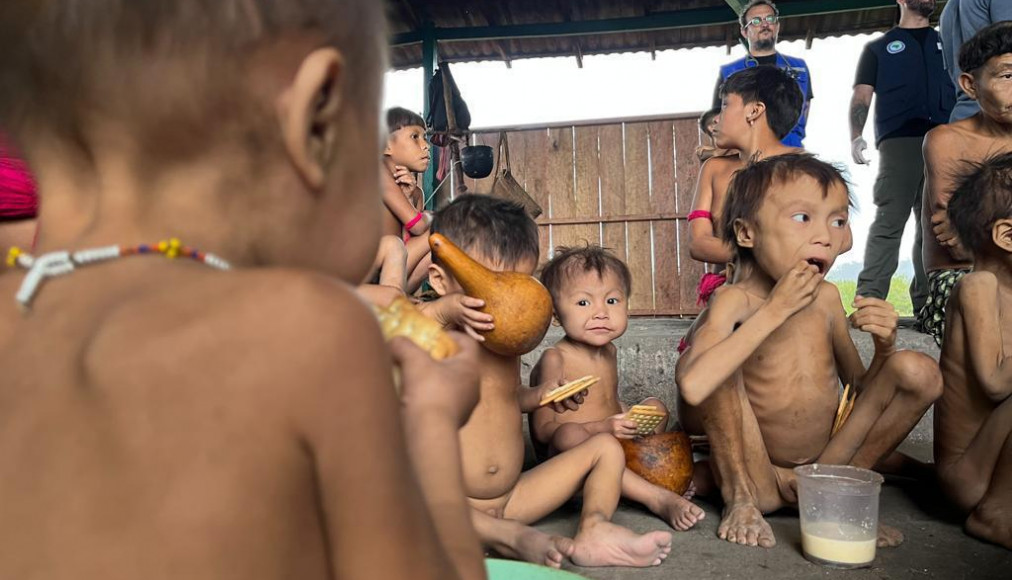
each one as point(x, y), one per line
point(844, 409)
point(646, 417)
point(568, 390)
point(401, 318)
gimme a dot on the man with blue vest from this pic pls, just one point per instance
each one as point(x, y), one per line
point(760, 25)
point(904, 69)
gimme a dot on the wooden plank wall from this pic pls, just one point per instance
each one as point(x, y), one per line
point(625, 185)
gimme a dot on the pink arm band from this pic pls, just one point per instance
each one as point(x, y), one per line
point(700, 213)
point(413, 221)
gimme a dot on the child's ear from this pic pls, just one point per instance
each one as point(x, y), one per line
point(744, 233)
point(438, 279)
point(968, 83)
point(1001, 234)
point(755, 111)
point(308, 113)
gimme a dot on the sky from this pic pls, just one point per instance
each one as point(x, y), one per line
point(549, 90)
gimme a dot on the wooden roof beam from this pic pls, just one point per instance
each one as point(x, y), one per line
point(736, 5)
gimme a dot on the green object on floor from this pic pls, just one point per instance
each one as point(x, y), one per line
point(513, 570)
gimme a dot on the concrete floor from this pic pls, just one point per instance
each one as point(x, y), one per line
point(935, 545)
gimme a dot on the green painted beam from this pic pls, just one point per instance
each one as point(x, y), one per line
point(736, 5)
point(659, 21)
point(430, 56)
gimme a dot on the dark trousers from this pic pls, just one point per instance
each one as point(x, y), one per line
point(897, 193)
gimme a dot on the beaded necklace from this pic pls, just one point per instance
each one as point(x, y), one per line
point(63, 262)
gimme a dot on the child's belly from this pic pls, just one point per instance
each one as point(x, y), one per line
point(795, 409)
point(492, 447)
point(591, 411)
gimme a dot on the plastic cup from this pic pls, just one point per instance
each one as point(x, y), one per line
point(838, 506)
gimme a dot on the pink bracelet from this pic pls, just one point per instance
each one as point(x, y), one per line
point(700, 214)
point(413, 221)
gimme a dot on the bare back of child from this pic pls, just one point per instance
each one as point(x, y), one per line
point(506, 500)
point(772, 349)
point(163, 419)
point(590, 289)
point(973, 418)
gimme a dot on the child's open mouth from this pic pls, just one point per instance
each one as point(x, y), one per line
point(820, 264)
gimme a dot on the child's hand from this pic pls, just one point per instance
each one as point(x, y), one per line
point(570, 403)
point(448, 387)
point(621, 427)
point(878, 318)
point(946, 235)
point(795, 290)
point(405, 179)
point(461, 311)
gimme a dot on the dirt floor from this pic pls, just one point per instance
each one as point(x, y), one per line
point(935, 545)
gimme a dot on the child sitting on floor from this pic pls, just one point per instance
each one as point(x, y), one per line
point(208, 416)
point(406, 153)
point(771, 351)
point(973, 419)
point(590, 290)
point(502, 237)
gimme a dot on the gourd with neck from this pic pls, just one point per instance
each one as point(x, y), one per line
point(520, 306)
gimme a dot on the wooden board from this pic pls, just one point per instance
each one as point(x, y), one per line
point(559, 182)
point(662, 199)
point(638, 238)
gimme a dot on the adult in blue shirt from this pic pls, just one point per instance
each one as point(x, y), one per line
point(760, 26)
point(960, 20)
point(903, 68)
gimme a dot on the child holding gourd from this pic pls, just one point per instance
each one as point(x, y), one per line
point(503, 242)
point(590, 290)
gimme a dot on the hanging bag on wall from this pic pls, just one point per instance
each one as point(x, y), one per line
point(506, 186)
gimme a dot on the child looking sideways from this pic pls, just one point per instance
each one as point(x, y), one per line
point(768, 356)
point(590, 290)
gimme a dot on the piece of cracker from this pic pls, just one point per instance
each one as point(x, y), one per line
point(646, 417)
point(568, 390)
point(843, 410)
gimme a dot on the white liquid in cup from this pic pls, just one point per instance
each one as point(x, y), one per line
point(832, 542)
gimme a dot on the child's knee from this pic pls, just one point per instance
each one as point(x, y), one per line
point(919, 375)
point(655, 402)
point(392, 247)
point(607, 447)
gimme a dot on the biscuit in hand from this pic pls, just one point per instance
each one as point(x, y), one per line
point(401, 318)
point(646, 417)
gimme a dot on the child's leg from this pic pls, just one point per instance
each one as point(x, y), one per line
point(515, 540)
point(568, 436)
point(890, 404)
point(968, 478)
point(991, 519)
point(723, 417)
point(596, 466)
point(418, 260)
point(391, 261)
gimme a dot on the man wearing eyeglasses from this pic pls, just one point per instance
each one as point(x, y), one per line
point(905, 70)
point(760, 25)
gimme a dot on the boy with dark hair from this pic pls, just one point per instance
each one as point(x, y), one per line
point(759, 105)
point(973, 419)
point(986, 62)
point(501, 236)
point(204, 417)
point(590, 290)
point(787, 216)
point(406, 154)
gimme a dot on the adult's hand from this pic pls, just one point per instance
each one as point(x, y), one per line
point(857, 147)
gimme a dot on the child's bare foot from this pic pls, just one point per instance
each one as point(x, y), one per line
point(679, 512)
point(606, 544)
point(744, 524)
point(990, 526)
point(888, 537)
point(539, 548)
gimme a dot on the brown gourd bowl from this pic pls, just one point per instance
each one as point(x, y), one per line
point(520, 306)
point(663, 459)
